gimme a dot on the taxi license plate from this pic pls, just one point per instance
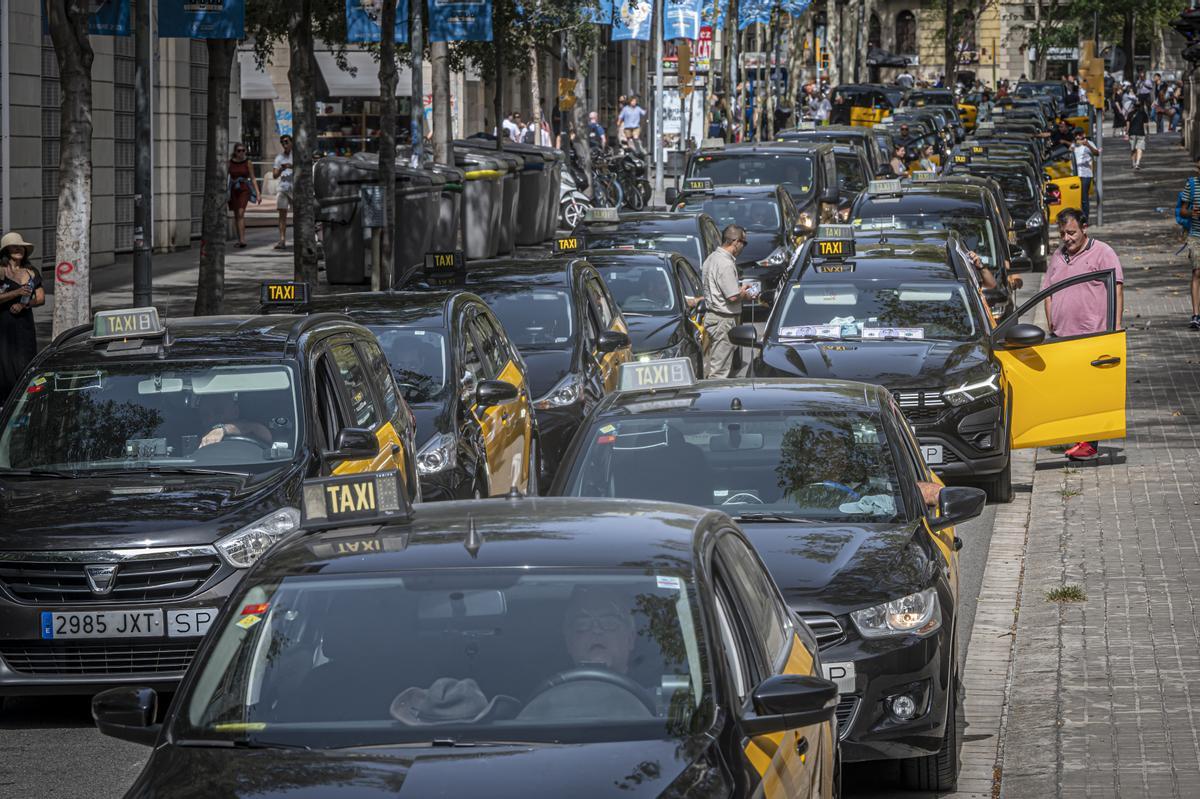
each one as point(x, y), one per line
point(187, 622)
point(842, 674)
point(932, 453)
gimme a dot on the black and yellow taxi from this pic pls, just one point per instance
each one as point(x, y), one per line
point(1024, 197)
point(973, 389)
point(945, 98)
point(465, 382)
point(861, 104)
point(829, 485)
point(146, 463)
point(808, 170)
point(567, 328)
point(528, 647)
point(854, 135)
point(661, 300)
point(694, 236)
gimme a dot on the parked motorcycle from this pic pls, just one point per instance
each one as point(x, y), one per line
point(572, 203)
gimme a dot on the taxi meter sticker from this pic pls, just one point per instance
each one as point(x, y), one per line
point(894, 332)
point(666, 581)
point(246, 622)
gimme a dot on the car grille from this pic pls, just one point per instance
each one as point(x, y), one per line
point(826, 628)
point(105, 658)
point(921, 405)
point(136, 580)
point(948, 456)
point(847, 709)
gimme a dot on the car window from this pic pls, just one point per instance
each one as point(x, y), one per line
point(850, 174)
point(358, 387)
point(736, 659)
point(377, 363)
point(688, 280)
point(757, 169)
point(491, 350)
point(418, 359)
point(755, 214)
point(329, 402)
point(640, 288)
point(758, 596)
point(598, 299)
point(713, 234)
point(491, 326)
point(876, 310)
point(532, 316)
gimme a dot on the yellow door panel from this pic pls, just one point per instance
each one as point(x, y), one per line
point(516, 421)
point(384, 461)
point(1060, 397)
point(1081, 122)
point(1058, 169)
point(968, 113)
point(866, 117)
point(499, 471)
point(1071, 196)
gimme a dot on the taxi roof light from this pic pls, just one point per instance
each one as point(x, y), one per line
point(698, 185)
point(601, 215)
point(884, 188)
point(282, 293)
point(712, 144)
point(923, 176)
point(655, 375)
point(833, 249)
point(826, 231)
point(368, 498)
point(132, 323)
point(567, 244)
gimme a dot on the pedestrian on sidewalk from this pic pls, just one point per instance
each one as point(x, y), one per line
point(723, 295)
point(20, 292)
point(1135, 131)
point(283, 194)
point(243, 189)
point(1081, 153)
point(1191, 212)
point(631, 123)
point(1081, 309)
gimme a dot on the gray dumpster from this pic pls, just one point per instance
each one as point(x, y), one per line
point(511, 185)
point(483, 196)
point(450, 210)
point(552, 201)
point(338, 183)
point(535, 190)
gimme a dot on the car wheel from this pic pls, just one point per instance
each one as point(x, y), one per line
point(999, 486)
point(531, 485)
point(938, 772)
point(572, 212)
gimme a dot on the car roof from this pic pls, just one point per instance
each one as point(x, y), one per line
point(502, 271)
point(732, 191)
point(934, 196)
point(783, 393)
point(658, 220)
point(619, 257)
point(625, 534)
point(750, 148)
point(897, 261)
point(418, 308)
point(856, 130)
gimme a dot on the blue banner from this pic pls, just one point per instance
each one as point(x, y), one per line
point(362, 20)
point(202, 19)
point(599, 14)
point(794, 7)
point(108, 18)
point(632, 20)
point(460, 20)
point(752, 11)
point(706, 14)
point(682, 20)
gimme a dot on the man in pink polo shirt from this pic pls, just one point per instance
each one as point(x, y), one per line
point(1083, 308)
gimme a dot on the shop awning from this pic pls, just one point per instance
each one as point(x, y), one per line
point(256, 84)
point(365, 83)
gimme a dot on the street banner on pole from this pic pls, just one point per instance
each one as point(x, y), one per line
point(187, 19)
point(704, 47)
point(460, 20)
point(362, 20)
point(108, 18)
point(752, 11)
point(599, 14)
point(632, 20)
point(794, 7)
point(706, 13)
point(683, 19)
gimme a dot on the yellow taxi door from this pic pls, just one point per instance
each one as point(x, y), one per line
point(349, 390)
point(969, 113)
point(1070, 196)
point(488, 419)
point(606, 317)
point(515, 418)
point(1064, 390)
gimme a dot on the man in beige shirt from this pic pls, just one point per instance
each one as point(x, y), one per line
point(723, 295)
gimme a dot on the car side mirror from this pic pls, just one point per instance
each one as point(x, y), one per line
point(467, 386)
point(788, 701)
point(830, 195)
point(883, 171)
point(1022, 264)
point(1024, 335)
point(744, 335)
point(354, 444)
point(801, 229)
point(612, 340)
point(1016, 251)
point(127, 713)
point(957, 504)
point(494, 392)
point(671, 195)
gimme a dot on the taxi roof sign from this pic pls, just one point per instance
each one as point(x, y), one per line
point(883, 188)
point(130, 323)
point(835, 231)
point(444, 261)
point(807, 124)
point(712, 144)
point(962, 158)
point(601, 215)
point(923, 176)
point(698, 184)
point(833, 249)
point(881, 126)
point(567, 244)
point(978, 149)
point(369, 497)
point(655, 375)
point(283, 292)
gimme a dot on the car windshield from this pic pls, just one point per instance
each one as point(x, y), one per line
point(533, 317)
point(686, 244)
point(829, 465)
point(758, 169)
point(851, 179)
point(1016, 186)
point(455, 656)
point(760, 215)
point(156, 415)
point(640, 289)
point(873, 309)
point(975, 231)
point(418, 360)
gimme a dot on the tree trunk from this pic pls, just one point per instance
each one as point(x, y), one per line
point(210, 293)
point(730, 43)
point(579, 112)
point(741, 92)
point(951, 54)
point(833, 42)
point(535, 94)
point(498, 96)
point(443, 133)
point(795, 52)
point(304, 131)
point(417, 23)
point(387, 145)
point(1128, 43)
point(68, 23)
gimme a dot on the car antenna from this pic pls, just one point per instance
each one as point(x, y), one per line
point(474, 540)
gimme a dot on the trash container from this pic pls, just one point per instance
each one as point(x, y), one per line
point(535, 191)
point(482, 198)
point(450, 210)
point(337, 183)
point(552, 202)
point(511, 186)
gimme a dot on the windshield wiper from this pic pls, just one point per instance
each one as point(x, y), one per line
point(238, 743)
point(634, 313)
point(166, 470)
point(38, 473)
point(772, 517)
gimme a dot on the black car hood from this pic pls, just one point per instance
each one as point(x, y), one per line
point(144, 510)
point(649, 333)
point(758, 246)
point(894, 364)
point(839, 568)
point(636, 768)
point(545, 368)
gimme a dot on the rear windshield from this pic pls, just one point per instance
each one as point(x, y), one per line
point(759, 214)
point(418, 359)
point(686, 244)
point(532, 316)
point(758, 169)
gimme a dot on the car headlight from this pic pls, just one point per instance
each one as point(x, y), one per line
point(568, 392)
point(242, 547)
point(969, 392)
point(918, 614)
point(1035, 220)
point(673, 351)
point(776, 258)
point(438, 454)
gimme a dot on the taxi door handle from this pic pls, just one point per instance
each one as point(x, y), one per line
point(1107, 360)
point(802, 746)
point(395, 449)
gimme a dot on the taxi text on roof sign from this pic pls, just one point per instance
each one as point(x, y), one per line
point(881, 188)
point(923, 176)
point(133, 323)
point(653, 375)
point(444, 261)
point(601, 215)
point(977, 149)
point(285, 292)
point(835, 232)
point(834, 249)
point(698, 184)
point(355, 498)
point(567, 244)
point(962, 158)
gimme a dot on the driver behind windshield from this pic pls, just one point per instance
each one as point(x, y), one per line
point(598, 630)
point(221, 418)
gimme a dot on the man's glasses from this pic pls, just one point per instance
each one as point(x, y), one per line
point(585, 623)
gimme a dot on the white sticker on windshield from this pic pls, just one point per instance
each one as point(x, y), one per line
point(893, 332)
point(831, 297)
point(925, 295)
point(668, 582)
point(821, 331)
point(875, 504)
